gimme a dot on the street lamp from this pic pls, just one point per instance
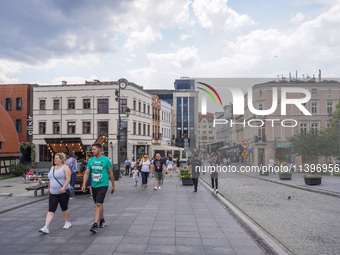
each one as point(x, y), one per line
point(330, 116)
point(122, 83)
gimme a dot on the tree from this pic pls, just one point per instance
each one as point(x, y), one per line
point(332, 133)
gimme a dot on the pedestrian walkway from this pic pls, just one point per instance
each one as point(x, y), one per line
point(174, 220)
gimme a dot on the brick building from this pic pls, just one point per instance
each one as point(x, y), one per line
point(17, 101)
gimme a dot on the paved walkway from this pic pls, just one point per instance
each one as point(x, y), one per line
point(174, 220)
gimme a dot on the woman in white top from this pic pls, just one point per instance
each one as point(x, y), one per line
point(145, 169)
point(170, 165)
point(60, 177)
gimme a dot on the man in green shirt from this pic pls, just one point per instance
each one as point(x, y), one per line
point(100, 168)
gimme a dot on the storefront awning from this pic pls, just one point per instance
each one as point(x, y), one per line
point(65, 145)
point(226, 148)
point(166, 148)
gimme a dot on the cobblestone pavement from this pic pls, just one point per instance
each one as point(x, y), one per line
point(173, 220)
point(307, 223)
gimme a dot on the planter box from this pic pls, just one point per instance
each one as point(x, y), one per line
point(313, 181)
point(285, 176)
point(187, 181)
point(264, 173)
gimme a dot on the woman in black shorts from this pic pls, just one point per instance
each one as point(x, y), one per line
point(60, 177)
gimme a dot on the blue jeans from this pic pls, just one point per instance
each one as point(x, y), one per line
point(73, 179)
point(145, 177)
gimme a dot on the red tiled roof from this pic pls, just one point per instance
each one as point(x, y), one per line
point(209, 116)
point(8, 135)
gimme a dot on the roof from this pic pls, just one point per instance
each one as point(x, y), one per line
point(209, 116)
point(8, 136)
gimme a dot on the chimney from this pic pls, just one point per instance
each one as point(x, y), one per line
point(64, 83)
point(319, 75)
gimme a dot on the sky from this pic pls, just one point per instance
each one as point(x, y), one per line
point(152, 43)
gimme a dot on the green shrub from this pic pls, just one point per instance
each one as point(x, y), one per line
point(18, 169)
point(185, 174)
point(312, 176)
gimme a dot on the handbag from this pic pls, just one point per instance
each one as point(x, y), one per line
point(69, 191)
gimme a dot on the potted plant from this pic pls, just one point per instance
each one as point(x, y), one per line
point(186, 177)
point(285, 175)
point(314, 179)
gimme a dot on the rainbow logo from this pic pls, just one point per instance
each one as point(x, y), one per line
point(209, 93)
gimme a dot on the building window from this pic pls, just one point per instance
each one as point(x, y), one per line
point(86, 103)
point(56, 104)
point(134, 128)
point(260, 93)
point(148, 130)
point(56, 128)
point(18, 103)
point(103, 106)
point(122, 105)
point(0, 145)
point(148, 109)
point(314, 107)
point(139, 129)
point(42, 105)
point(314, 126)
point(18, 125)
point(139, 106)
point(329, 92)
point(8, 104)
point(42, 128)
point(71, 104)
point(134, 105)
point(87, 127)
point(313, 92)
point(71, 127)
point(261, 107)
point(329, 107)
point(144, 129)
point(303, 127)
point(144, 108)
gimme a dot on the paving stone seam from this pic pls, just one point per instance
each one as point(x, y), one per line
point(268, 243)
point(324, 192)
point(22, 205)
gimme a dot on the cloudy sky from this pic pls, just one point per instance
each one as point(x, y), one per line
point(152, 42)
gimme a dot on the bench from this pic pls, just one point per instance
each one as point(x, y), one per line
point(38, 187)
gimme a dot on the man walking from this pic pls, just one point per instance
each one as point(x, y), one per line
point(159, 168)
point(195, 165)
point(127, 166)
point(100, 168)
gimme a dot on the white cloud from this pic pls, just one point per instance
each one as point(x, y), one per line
point(297, 18)
point(141, 38)
point(215, 14)
point(184, 37)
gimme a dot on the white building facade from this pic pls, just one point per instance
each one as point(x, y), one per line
point(165, 123)
point(75, 116)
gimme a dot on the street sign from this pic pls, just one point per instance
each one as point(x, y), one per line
point(244, 153)
point(245, 144)
point(250, 150)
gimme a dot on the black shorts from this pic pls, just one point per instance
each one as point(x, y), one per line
point(99, 194)
point(54, 199)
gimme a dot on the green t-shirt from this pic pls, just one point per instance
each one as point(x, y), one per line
point(99, 171)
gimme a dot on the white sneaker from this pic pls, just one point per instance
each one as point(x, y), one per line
point(44, 230)
point(155, 188)
point(67, 225)
point(159, 187)
point(212, 190)
point(216, 191)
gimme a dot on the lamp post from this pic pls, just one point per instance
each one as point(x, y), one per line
point(330, 115)
point(122, 83)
